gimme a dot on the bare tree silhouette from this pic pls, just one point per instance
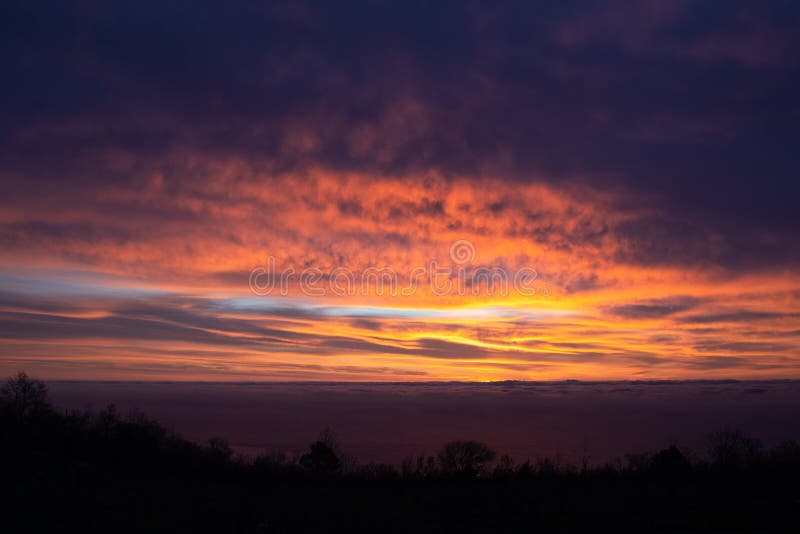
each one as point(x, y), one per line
point(464, 458)
point(730, 448)
point(25, 398)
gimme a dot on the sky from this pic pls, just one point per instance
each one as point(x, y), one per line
point(299, 191)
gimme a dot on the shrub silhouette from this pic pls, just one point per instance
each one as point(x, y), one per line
point(323, 457)
point(272, 463)
point(419, 467)
point(464, 458)
point(730, 449)
point(785, 455)
point(505, 467)
point(220, 449)
point(670, 460)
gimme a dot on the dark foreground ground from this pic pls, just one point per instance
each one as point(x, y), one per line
point(102, 472)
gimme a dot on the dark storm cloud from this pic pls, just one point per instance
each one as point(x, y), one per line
point(692, 106)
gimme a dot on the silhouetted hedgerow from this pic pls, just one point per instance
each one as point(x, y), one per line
point(93, 472)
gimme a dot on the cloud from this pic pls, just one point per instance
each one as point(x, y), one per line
point(739, 316)
point(654, 308)
point(653, 98)
point(641, 159)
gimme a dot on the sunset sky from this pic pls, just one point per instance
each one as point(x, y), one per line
point(642, 159)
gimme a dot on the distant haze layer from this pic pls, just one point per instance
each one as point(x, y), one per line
point(386, 422)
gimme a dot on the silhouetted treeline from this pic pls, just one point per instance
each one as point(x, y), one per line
point(82, 471)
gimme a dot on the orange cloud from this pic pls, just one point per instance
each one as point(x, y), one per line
point(150, 280)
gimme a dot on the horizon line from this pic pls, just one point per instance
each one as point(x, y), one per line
point(567, 381)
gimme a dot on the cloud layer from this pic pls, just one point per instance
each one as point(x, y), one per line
point(641, 159)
